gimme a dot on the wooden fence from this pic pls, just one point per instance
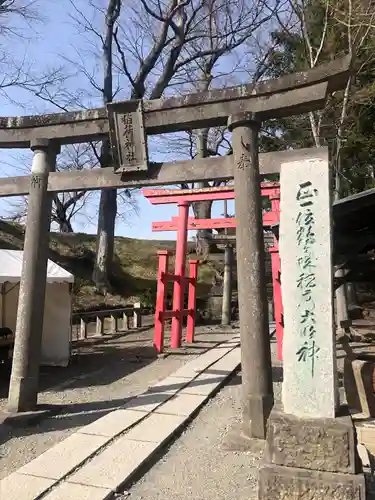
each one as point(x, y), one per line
point(122, 319)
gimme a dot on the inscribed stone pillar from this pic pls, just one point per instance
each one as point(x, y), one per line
point(309, 387)
point(23, 390)
point(311, 446)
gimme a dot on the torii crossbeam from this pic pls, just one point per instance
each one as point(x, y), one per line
point(300, 92)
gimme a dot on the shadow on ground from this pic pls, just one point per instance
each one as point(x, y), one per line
point(99, 365)
point(77, 415)
point(93, 364)
point(74, 416)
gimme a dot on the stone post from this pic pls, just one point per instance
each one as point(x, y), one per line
point(125, 321)
point(114, 325)
point(23, 390)
point(311, 446)
point(137, 315)
point(99, 326)
point(256, 368)
point(83, 329)
point(226, 315)
point(351, 295)
point(342, 315)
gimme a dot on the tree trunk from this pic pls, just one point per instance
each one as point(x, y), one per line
point(105, 234)
point(105, 239)
point(108, 198)
point(60, 215)
point(65, 226)
point(202, 210)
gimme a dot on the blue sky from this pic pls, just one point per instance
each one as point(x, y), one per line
point(51, 43)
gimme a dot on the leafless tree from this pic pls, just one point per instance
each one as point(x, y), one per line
point(13, 11)
point(65, 205)
point(149, 49)
point(207, 72)
point(16, 18)
point(19, 24)
point(68, 206)
point(172, 43)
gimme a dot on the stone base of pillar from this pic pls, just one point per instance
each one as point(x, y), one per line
point(289, 483)
point(236, 440)
point(311, 458)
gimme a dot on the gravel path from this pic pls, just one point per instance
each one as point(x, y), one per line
point(196, 466)
point(101, 378)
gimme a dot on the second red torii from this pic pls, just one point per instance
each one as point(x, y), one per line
point(183, 223)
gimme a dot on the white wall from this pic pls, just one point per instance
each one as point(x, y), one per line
point(57, 321)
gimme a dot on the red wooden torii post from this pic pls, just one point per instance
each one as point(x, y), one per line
point(178, 312)
point(182, 224)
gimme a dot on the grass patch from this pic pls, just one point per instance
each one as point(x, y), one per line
point(133, 274)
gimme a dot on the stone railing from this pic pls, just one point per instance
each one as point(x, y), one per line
point(121, 319)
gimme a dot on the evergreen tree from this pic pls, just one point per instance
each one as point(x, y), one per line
point(321, 34)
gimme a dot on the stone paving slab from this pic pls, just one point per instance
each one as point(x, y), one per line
point(70, 491)
point(207, 382)
point(184, 405)
point(58, 461)
point(148, 401)
point(196, 366)
point(170, 385)
point(17, 486)
point(225, 365)
point(112, 424)
point(115, 465)
point(156, 428)
point(203, 386)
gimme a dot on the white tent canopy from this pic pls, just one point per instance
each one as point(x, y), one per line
point(11, 268)
point(58, 305)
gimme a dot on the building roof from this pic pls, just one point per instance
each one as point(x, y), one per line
point(11, 268)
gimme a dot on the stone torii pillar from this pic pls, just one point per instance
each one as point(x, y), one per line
point(23, 390)
point(257, 389)
point(256, 365)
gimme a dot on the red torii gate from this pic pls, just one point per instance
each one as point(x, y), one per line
point(182, 224)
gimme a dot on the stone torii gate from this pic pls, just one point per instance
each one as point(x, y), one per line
point(243, 109)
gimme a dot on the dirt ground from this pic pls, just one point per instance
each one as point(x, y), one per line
point(100, 378)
